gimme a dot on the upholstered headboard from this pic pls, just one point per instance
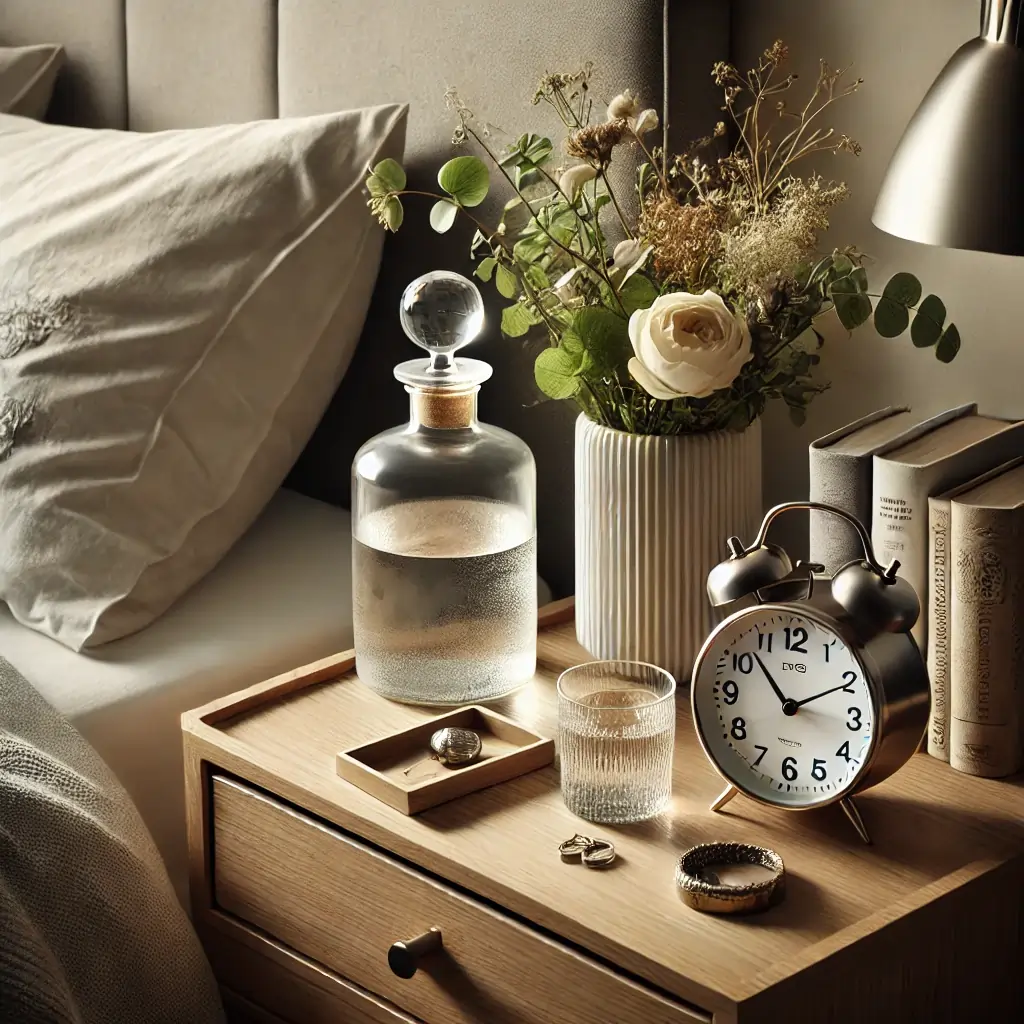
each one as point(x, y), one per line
point(149, 65)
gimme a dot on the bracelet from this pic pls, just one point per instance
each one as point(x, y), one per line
point(709, 896)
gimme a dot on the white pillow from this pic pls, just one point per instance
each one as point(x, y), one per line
point(176, 311)
point(27, 77)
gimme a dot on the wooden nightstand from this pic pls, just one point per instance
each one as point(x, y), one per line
point(301, 883)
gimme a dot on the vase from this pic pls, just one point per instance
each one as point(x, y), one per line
point(652, 518)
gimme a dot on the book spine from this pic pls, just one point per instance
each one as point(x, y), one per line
point(843, 481)
point(985, 663)
point(938, 626)
point(899, 529)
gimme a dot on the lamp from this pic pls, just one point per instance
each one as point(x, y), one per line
point(957, 176)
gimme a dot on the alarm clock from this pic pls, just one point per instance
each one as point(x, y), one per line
point(817, 690)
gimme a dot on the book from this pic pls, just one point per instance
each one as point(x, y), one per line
point(940, 453)
point(938, 609)
point(986, 533)
point(840, 475)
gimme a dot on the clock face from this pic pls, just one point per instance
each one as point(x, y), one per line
point(783, 708)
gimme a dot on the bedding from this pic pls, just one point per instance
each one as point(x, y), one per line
point(176, 311)
point(27, 77)
point(90, 930)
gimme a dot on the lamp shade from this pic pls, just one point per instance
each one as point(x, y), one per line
point(957, 177)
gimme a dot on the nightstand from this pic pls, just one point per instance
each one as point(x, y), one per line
point(302, 884)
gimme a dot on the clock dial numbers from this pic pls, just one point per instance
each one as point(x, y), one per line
point(783, 708)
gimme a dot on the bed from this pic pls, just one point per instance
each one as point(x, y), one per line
point(281, 597)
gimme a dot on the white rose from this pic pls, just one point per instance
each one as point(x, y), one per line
point(624, 105)
point(575, 178)
point(646, 122)
point(687, 346)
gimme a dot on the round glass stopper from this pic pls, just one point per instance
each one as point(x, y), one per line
point(441, 312)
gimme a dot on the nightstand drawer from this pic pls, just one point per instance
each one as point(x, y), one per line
point(343, 904)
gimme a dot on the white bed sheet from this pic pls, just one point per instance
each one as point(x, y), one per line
point(281, 598)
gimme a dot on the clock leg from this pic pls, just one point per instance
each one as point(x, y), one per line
point(851, 812)
point(723, 798)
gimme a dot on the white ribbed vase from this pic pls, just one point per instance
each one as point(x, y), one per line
point(652, 518)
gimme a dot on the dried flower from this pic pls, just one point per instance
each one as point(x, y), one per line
point(572, 180)
point(626, 253)
point(625, 105)
point(686, 239)
point(595, 143)
point(647, 122)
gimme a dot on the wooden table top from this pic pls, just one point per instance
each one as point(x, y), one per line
point(934, 831)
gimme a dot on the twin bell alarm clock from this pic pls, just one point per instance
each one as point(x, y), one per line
point(815, 691)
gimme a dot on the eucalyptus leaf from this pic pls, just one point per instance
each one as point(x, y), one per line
point(931, 318)
point(486, 268)
point(852, 308)
point(904, 289)
point(394, 213)
point(391, 174)
point(466, 179)
point(949, 345)
point(860, 278)
point(442, 215)
point(891, 318)
point(515, 321)
point(555, 373)
point(842, 266)
point(505, 281)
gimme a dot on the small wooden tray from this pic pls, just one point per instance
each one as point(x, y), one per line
point(378, 768)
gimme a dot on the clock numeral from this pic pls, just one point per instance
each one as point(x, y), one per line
point(760, 757)
point(818, 770)
point(855, 714)
point(764, 642)
point(739, 729)
point(789, 768)
point(795, 639)
point(849, 678)
point(844, 751)
point(828, 649)
point(743, 663)
point(731, 691)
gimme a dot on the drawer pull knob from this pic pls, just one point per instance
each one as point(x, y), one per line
point(404, 957)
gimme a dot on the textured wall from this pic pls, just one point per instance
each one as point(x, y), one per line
point(898, 48)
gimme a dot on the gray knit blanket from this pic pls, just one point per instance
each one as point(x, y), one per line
point(90, 930)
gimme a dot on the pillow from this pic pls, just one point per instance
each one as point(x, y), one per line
point(176, 311)
point(27, 77)
point(90, 929)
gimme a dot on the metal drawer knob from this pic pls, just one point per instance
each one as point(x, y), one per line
point(404, 957)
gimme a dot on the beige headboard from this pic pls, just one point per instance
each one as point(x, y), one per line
point(155, 64)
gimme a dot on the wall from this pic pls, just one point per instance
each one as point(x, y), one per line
point(898, 48)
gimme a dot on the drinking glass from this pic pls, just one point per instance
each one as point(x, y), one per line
point(616, 729)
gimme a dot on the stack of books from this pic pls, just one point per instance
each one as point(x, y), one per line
point(944, 496)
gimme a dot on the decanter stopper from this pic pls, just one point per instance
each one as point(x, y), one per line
point(441, 312)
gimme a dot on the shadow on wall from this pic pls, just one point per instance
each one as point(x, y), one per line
point(898, 49)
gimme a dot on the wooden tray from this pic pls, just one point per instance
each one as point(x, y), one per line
point(379, 768)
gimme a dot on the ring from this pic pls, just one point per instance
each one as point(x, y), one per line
point(599, 854)
point(701, 889)
point(574, 847)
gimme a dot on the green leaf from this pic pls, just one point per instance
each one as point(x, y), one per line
point(572, 345)
point(949, 345)
point(842, 266)
point(928, 324)
point(904, 289)
point(891, 318)
point(528, 250)
point(536, 276)
point(466, 179)
point(852, 308)
point(860, 278)
point(442, 215)
point(604, 334)
point(505, 281)
point(515, 321)
point(555, 373)
point(797, 415)
point(390, 174)
point(486, 268)
point(637, 293)
point(394, 213)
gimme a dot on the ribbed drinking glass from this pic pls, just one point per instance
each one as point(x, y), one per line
point(616, 729)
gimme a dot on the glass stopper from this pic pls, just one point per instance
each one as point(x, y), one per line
point(442, 312)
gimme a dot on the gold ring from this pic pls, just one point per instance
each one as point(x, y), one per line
point(701, 889)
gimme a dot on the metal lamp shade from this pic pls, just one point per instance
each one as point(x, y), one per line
point(957, 177)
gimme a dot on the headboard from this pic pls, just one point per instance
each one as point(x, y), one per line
point(154, 64)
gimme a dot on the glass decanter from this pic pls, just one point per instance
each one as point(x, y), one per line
point(444, 525)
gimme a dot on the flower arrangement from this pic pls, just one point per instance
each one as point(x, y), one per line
point(691, 305)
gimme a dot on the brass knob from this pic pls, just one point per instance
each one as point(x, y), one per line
point(404, 957)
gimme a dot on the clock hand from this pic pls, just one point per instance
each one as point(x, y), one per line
point(807, 700)
point(775, 686)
